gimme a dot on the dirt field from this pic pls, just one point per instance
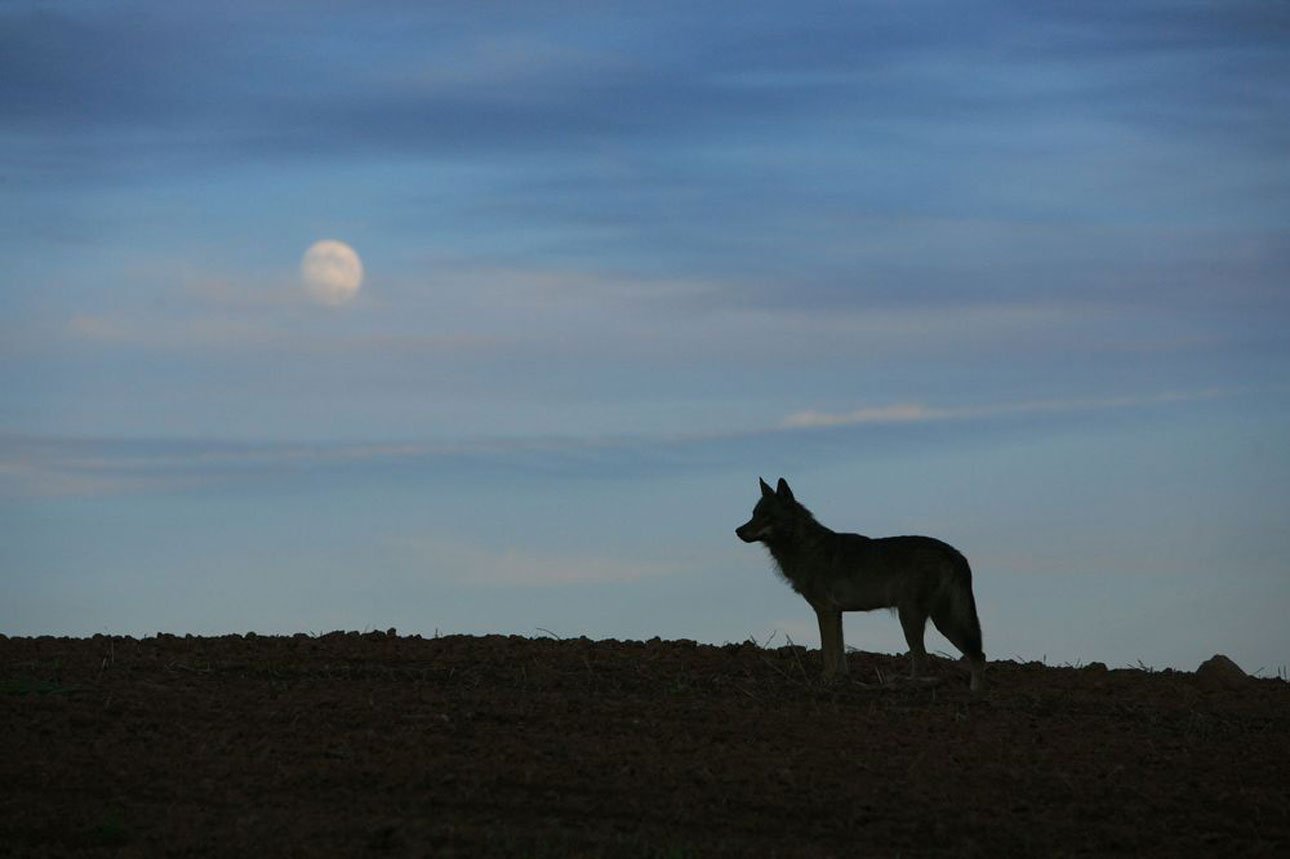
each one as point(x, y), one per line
point(349, 744)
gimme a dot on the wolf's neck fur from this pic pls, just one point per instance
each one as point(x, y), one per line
point(797, 552)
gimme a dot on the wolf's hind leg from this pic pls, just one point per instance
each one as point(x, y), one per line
point(914, 622)
point(975, 658)
point(958, 623)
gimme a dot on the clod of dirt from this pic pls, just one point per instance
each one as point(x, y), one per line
point(1219, 671)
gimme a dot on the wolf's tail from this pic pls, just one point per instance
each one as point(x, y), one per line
point(955, 614)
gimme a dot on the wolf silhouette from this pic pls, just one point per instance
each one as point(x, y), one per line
point(920, 577)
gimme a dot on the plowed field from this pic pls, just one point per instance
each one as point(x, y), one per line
point(376, 744)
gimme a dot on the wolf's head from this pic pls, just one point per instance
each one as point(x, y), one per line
point(775, 516)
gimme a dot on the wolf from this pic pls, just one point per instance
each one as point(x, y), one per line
point(920, 577)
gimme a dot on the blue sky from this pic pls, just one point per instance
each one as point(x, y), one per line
point(1012, 275)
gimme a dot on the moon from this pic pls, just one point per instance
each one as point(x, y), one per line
point(332, 272)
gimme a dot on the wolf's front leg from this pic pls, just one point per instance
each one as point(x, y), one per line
point(831, 648)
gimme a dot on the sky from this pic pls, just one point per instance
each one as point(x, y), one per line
point(1014, 275)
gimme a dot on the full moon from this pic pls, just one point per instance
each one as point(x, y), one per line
point(332, 272)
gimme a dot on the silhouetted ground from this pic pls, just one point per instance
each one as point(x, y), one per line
point(350, 744)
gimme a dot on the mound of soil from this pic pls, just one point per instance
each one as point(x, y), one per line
point(348, 744)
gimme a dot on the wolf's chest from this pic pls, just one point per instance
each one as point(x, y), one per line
point(844, 580)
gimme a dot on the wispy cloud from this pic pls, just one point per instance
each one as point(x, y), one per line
point(53, 467)
point(900, 413)
point(170, 334)
point(451, 559)
point(42, 467)
point(915, 413)
point(238, 333)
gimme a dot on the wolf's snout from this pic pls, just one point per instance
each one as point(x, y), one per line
point(742, 533)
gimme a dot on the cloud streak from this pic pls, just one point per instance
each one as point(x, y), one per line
point(914, 413)
point(448, 559)
point(51, 467)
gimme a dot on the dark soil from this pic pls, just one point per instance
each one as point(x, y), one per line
point(349, 744)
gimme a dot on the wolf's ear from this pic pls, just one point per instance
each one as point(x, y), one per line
point(766, 491)
point(783, 491)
